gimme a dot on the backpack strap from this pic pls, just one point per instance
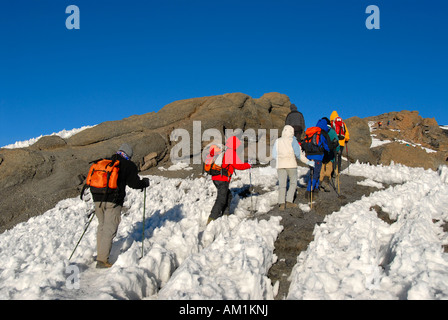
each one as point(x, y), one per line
point(82, 190)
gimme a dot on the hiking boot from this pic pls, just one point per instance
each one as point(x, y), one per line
point(103, 265)
point(281, 206)
point(291, 205)
point(325, 184)
point(325, 187)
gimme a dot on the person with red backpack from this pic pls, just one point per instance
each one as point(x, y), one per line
point(221, 180)
point(340, 127)
point(315, 144)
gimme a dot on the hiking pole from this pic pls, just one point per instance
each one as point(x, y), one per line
point(337, 176)
point(334, 187)
point(311, 186)
point(337, 164)
point(346, 149)
point(143, 228)
point(250, 191)
point(85, 229)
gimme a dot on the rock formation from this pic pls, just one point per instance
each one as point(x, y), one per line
point(34, 179)
point(414, 141)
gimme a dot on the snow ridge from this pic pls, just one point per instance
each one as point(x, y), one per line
point(354, 255)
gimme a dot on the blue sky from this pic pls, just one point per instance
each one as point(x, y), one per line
point(132, 57)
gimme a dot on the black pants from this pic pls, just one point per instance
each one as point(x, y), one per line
point(298, 133)
point(223, 199)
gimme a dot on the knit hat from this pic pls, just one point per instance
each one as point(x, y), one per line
point(126, 148)
point(293, 107)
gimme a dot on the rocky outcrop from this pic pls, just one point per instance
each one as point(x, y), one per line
point(410, 126)
point(358, 148)
point(414, 141)
point(34, 179)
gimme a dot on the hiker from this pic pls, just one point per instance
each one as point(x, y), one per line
point(329, 158)
point(314, 149)
point(285, 151)
point(295, 119)
point(230, 162)
point(344, 137)
point(108, 206)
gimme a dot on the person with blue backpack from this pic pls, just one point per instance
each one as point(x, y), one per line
point(329, 158)
point(315, 144)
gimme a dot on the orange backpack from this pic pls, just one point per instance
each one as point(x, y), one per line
point(310, 144)
point(103, 176)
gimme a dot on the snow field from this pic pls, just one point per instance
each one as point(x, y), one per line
point(35, 263)
point(355, 255)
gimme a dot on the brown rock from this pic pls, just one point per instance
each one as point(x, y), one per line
point(34, 179)
point(360, 141)
point(407, 155)
point(49, 143)
point(414, 133)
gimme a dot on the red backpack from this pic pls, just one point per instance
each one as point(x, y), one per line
point(339, 126)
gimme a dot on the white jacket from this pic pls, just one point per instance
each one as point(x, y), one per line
point(287, 149)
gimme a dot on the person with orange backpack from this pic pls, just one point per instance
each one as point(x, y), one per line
point(329, 158)
point(107, 180)
point(340, 127)
point(222, 176)
point(315, 143)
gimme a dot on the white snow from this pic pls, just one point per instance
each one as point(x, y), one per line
point(64, 134)
point(354, 255)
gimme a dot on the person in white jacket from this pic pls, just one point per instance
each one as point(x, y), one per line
point(285, 151)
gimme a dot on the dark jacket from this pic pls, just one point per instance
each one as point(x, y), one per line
point(323, 141)
point(127, 176)
point(295, 119)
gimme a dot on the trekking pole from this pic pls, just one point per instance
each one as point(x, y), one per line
point(311, 184)
point(250, 191)
point(85, 229)
point(337, 163)
point(333, 185)
point(143, 228)
point(346, 148)
point(339, 188)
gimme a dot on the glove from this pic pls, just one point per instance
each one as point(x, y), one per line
point(310, 163)
point(146, 181)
